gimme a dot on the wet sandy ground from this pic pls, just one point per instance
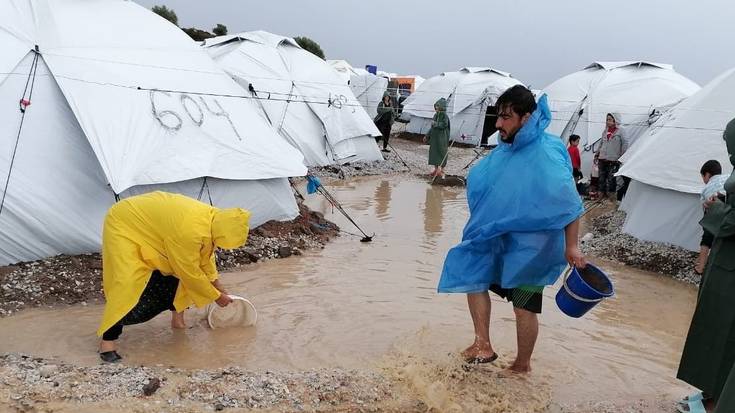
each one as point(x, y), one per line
point(373, 308)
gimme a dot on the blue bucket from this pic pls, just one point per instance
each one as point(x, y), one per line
point(582, 290)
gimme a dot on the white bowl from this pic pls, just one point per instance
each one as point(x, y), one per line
point(239, 313)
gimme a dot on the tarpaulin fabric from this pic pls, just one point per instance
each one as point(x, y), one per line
point(468, 91)
point(662, 203)
point(637, 89)
point(313, 184)
point(302, 96)
point(90, 132)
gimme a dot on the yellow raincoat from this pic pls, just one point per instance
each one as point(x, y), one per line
point(171, 233)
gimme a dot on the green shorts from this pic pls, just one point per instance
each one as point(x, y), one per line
point(527, 297)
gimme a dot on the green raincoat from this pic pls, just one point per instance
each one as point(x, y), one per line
point(726, 402)
point(709, 351)
point(438, 135)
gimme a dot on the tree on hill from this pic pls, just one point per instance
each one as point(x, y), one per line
point(220, 30)
point(310, 45)
point(166, 13)
point(198, 34)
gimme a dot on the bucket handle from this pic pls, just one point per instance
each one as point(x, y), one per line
point(575, 296)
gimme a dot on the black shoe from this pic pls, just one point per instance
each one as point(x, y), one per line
point(110, 357)
point(386, 150)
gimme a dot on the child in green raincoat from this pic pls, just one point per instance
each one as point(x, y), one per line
point(438, 138)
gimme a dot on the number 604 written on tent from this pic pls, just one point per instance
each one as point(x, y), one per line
point(173, 121)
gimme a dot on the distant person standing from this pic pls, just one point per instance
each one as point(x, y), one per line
point(612, 147)
point(714, 183)
point(594, 179)
point(575, 157)
point(438, 138)
point(384, 119)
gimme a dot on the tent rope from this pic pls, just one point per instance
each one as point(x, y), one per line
point(296, 190)
point(23, 103)
point(205, 185)
point(285, 109)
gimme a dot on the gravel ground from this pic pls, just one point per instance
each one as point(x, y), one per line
point(661, 405)
point(409, 385)
point(610, 242)
point(29, 384)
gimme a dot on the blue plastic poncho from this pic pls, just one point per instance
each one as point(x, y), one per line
point(521, 197)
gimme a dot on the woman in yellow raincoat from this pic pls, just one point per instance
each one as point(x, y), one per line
point(158, 254)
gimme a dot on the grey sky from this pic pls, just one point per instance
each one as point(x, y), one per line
point(537, 41)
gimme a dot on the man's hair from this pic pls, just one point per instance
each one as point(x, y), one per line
point(574, 138)
point(711, 167)
point(518, 98)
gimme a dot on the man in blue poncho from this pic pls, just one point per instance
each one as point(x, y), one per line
point(523, 226)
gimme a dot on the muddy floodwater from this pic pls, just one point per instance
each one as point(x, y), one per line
point(357, 305)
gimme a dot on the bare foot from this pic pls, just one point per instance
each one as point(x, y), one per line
point(516, 368)
point(699, 268)
point(106, 346)
point(177, 320)
point(478, 350)
point(470, 351)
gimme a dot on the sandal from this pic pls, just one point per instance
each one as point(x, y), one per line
point(110, 357)
point(481, 360)
point(692, 398)
point(694, 406)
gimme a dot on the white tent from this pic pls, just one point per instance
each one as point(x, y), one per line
point(303, 97)
point(367, 88)
point(662, 202)
point(343, 68)
point(417, 81)
point(469, 91)
point(114, 113)
point(636, 90)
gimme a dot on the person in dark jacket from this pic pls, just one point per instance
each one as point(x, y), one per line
point(384, 120)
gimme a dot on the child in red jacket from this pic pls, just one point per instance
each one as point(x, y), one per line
point(576, 158)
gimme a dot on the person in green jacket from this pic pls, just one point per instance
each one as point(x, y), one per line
point(726, 403)
point(438, 138)
point(709, 351)
point(384, 119)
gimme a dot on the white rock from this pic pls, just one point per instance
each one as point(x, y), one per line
point(48, 370)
